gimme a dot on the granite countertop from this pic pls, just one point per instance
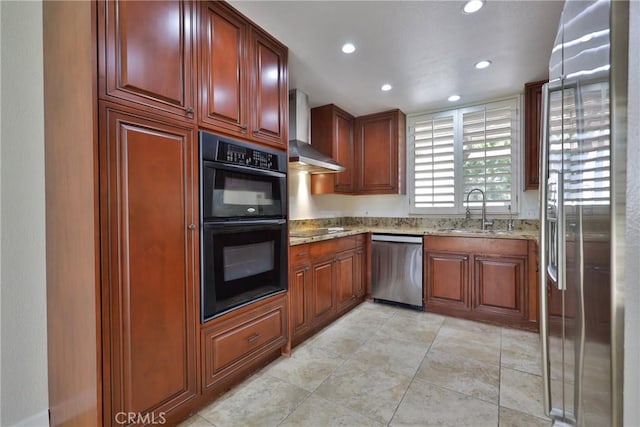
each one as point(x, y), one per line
point(350, 231)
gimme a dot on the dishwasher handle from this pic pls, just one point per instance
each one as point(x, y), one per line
point(397, 238)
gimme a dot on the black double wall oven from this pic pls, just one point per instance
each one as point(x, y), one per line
point(243, 223)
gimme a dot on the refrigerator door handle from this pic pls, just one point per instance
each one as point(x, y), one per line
point(560, 239)
point(544, 224)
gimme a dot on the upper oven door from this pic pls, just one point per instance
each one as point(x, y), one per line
point(240, 192)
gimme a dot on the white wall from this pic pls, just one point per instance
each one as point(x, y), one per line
point(23, 327)
point(302, 205)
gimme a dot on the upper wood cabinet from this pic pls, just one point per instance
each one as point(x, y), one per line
point(243, 78)
point(332, 134)
point(147, 57)
point(223, 75)
point(532, 123)
point(380, 153)
point(149, 276)
point(269, 90)
point(371, 147)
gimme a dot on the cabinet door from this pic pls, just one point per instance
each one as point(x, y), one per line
point(499, 286)
point(146, 55)
point(380, 148)
point(446, 278)
point(323, 299)
point(299, 298)
point(269, 94)
point(223, 69)
point(360, 273)
point(346, 266)
point(344, 152)
point(149, 281)
point(532, 122)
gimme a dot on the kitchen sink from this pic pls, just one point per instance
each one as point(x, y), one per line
point(473, 231)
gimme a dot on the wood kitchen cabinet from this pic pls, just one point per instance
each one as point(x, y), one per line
point(242, 340)
point(346, 276)
point(446, 280)
point(380, 153)
point(372, 148)
point(243, 78)
point(532, 135)
point(146, 56)
point(124, 88)
point(327, 279)
point(480, 279)
point(299, 290)
point(332, 133)
point(149, 246)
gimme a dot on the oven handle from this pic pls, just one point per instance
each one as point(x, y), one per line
point(248, 223)
point(245, 169)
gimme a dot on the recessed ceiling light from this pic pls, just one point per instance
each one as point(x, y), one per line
point(348, 48)
point(386, 87)
point(473, 6)
point(453, 98)
point(482, 64)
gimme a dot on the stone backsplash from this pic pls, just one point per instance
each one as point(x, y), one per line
point(410, 222)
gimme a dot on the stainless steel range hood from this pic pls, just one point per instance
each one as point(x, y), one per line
point(302, 155)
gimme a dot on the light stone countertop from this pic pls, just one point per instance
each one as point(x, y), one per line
point(490, 234)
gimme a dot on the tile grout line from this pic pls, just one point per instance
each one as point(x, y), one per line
point(413, 378)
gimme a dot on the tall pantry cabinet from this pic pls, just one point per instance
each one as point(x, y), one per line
point(124, 96)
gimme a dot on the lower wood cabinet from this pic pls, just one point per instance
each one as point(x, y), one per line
point(235, 343)
point(326, 279)
point(481, 279)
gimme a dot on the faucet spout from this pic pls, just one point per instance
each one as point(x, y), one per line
point(484, 223)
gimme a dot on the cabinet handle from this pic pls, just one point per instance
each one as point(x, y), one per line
point(255, 131)
point(253, 338)
point(190, 112)
point(302, 254)
point(191, 227)
point(244, 128)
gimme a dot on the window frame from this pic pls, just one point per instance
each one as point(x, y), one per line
point(459, 208)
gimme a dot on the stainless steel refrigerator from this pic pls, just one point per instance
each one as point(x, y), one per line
point(581, 300)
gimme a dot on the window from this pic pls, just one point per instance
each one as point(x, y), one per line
point(455, 151)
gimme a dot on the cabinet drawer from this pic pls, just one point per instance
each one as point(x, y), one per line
point(330, 247)
point(235, 342)
point(298, 253)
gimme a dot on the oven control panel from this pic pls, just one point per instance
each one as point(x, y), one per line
point(245, 156)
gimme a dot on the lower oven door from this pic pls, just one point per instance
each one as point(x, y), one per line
point(241, 262)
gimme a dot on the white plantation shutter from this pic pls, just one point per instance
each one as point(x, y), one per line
point(454, 151)
point(433, 183)
point(488, 132)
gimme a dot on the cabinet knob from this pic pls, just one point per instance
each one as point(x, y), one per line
point(191, 227)
point(244, 128)
point(190, 112)
point(255, 131)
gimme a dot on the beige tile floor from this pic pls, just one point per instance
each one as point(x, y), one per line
point(386, 366)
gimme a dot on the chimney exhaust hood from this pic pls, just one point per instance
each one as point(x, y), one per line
point(302, 156)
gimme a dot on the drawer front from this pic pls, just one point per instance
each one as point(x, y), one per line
point(298, 253)
point(238, 341)
point(330, 247)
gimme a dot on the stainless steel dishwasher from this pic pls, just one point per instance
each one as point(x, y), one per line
point(396, 269)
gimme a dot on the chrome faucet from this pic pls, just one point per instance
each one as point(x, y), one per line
point(484, 224)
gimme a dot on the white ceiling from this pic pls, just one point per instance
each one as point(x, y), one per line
point(425, 49)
